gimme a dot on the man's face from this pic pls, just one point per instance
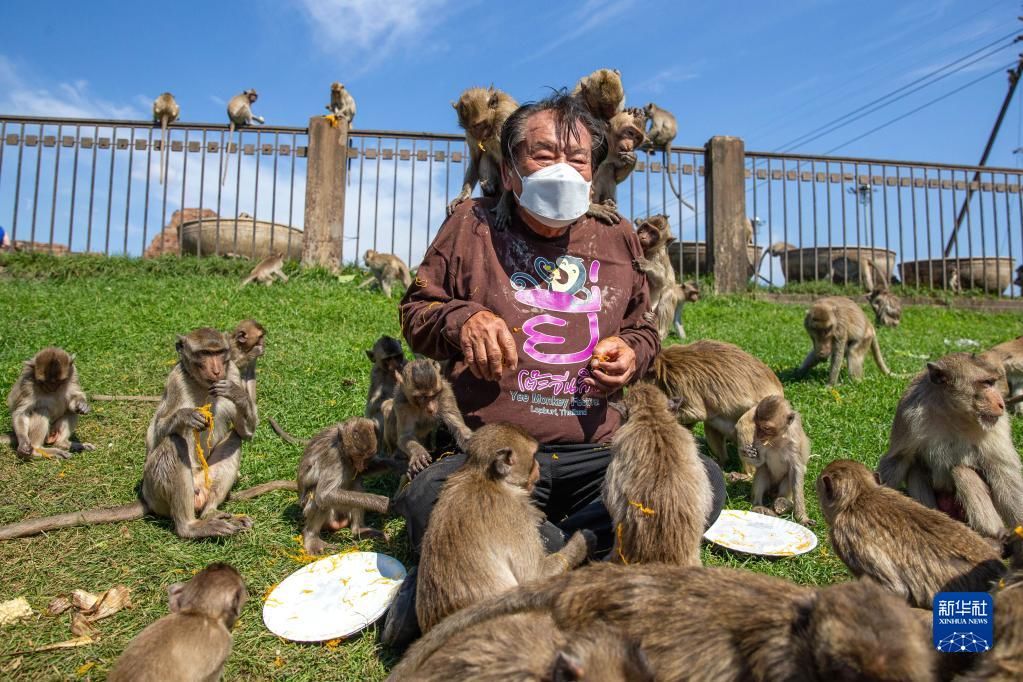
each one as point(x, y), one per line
point(541, 148)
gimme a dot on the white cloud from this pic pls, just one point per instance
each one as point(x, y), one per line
point(367, 30)
point(65, 99)
point(585, 20)
point(660, 81)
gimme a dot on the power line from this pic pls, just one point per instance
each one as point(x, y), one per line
point(1000, 69)
point(827, 129)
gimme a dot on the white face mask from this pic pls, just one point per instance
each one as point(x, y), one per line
point(556, 195)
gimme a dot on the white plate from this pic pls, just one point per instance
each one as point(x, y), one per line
point(334, 597)
point(752, 533)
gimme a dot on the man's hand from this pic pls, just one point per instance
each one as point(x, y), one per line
point(488, 346)
point(613, 365)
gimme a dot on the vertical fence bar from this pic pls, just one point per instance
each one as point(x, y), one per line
point(127, 197)
point(17, 183)
point(56, 179)
point(35, 190)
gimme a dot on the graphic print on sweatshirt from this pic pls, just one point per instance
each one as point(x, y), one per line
point(559, 290)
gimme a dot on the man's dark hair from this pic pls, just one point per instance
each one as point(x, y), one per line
point(569, 113)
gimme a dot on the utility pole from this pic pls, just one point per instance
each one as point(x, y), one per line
point(1014, 75)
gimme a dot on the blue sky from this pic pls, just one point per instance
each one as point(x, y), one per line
point(766, 71)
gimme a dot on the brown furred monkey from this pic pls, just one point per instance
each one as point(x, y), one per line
point(342, 104)
point(722, 624)
point(716, 383)
point(194, 641)
point(898, 543)
point(1010, 356)
point(239, 113)
point(624, 135)
point(951, 439)
point(839, 330)
point(248, 343)
point(330, 482)
point(481, 114)
point(772, 440)
point(667, 298)
point(527, 647)
point(388, 359)
point(602, 93)
point(45, 403)
point(887, 306)
point(661, 133)
point(165, 111)
point(267, 270)
point(656, 488)
point(422, 400)
point(484, 538)
point(386, 269)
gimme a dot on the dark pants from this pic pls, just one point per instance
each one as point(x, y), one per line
point(568, 492)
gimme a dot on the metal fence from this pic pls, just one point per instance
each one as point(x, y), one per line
point(853, 220)
point(95, 186)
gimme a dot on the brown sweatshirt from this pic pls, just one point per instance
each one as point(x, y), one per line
point(558, 296)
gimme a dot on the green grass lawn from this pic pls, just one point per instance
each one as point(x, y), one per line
point(120, 317)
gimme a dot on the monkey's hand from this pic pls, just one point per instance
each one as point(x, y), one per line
point(488, 187)
point(627, 158)
point(750, 452)
point(24, 449)
point(641, 264)
point(417, 462)
point(79, 406)
point(462, 196)
point(190, 418)
point(230, 390)
point(604, 213)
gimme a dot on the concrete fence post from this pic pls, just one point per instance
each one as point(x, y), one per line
point(326, 166)
point(725, 195)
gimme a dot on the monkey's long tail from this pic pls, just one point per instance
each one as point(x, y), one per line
point(125, 512)
point(530, 598)
point(285, 436)
point(163, 145)
point(875, 349)
point(671, 181)
point(263, 488)
point(126, 398)
point(227, 153)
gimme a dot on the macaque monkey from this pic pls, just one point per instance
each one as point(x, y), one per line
point(1010, 356)
point(667, 298)
point(722, 624)
point(330, 482)
point(342, 104)
point(422, 400)
point(45, 403)
point(951, 444)
point(388, 360)
point(165, 111)
point(886, 305)
point(481, 114)
point(529, 648)
point(1004, 661)
point(772, 441)
point(602, 93)
point(955, 284)
point(659, 135)
point(194, 640)
point(656, 488)
point(898, 543)
point(624, 135)
point(248, 343)
point(386, 269)
point(716, 383)
point(267, 269)
point(239, 113)
point(484, 538)
point(839, 329)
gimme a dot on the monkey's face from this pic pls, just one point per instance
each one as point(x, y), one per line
point(204, 355)
point(393, 363)
point(649, 235)
point(252, 97)
point(427, 400)
point(690, 292)
point(52, 369)
point(630, 140)
point(988, 401)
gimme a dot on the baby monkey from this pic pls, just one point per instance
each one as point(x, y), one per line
point(772, 441)
point(194, 641)
point(267, 270)
point(45, 403)
point(330, 482)
point(386, 269)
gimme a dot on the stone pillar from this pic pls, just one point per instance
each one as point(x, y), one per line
point(725, 195)
point(325, 193)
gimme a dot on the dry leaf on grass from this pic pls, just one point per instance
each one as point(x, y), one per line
point(98, 606)
point(58, 606)
point(67, 644)
point(14, 610)
point(80, 626)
